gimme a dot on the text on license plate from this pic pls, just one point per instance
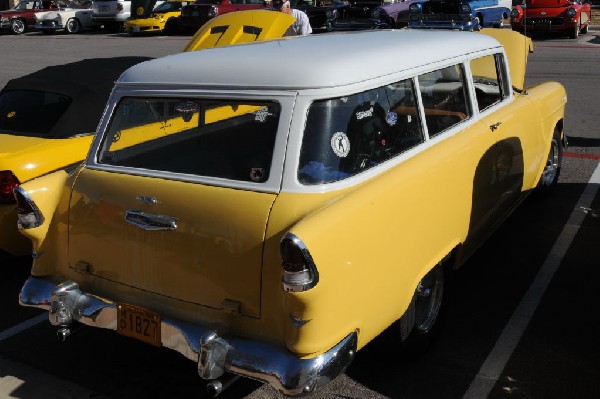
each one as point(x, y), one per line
point(139, 323)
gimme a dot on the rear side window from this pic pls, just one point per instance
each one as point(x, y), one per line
point(225, 139)
point(488, 79)
point(31, 112)
point(346, 135)
point(444, 96)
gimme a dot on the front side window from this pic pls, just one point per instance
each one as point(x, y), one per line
point(346, 135)
point(444, 96)
point(488, 82)
point(215, 138)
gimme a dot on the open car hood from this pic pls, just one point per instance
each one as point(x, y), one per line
point(517, 47)
point(240, 27)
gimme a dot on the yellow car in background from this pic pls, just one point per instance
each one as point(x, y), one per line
point(163, 19)
point(47, 121)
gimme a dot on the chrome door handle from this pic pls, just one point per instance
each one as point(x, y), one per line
point(495, 126)
point(149, 221)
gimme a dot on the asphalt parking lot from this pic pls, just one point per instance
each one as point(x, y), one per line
point(523, 321)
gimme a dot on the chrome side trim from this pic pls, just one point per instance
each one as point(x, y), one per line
point(214, 354)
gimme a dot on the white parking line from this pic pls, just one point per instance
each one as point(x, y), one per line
point(14, 330)
point(493, 366)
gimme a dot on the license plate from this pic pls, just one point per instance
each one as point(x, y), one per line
point(136, 28)
point(138, 323)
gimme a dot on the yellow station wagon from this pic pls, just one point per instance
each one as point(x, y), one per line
point(271, 222)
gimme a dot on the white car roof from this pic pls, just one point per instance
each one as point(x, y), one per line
point(314, 61)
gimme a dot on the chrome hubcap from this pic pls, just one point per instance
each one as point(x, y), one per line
point(429, 299)
point(551, 164)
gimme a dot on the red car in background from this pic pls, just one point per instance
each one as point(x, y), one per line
point(569, 16)
point(21, 17)
point(194, 15)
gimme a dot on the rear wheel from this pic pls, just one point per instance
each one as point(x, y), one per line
point(421, 321)
point(18, 26)
point(73, 26)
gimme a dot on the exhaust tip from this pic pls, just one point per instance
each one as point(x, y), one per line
point(214, 388)
point(63, 334)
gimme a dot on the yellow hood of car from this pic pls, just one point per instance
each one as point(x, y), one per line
point(240, 27)
point(517, 47)
point(30, 157)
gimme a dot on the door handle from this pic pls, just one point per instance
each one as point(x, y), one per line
point(149, 221)
point(495, 126)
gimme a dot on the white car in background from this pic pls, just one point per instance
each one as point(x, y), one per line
point(72, 19)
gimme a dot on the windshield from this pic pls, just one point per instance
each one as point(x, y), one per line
point(346, 135)
point(31, 113)
point(168, 6)
point(26, 5)
point(215, 138)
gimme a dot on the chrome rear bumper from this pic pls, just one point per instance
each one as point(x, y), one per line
point(214, 354)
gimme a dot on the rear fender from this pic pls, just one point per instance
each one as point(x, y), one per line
point(49, 197)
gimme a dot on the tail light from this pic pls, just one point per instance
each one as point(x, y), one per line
point(28, 214)
point(299, 270)
point(8, 181)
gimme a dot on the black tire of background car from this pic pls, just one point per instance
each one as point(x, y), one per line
point(585, 29)
point(552, 168)
point(574, 32)
point(171, 27)
point(73, 26)
point(18, 26)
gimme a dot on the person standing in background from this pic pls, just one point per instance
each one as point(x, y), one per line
point(301, 26)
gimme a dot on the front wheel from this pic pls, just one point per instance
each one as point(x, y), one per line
point(574, 32)
point(73, 26)
point(551, 171)
point(17, 26)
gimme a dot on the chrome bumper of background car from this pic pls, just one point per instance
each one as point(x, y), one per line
point(447, 23)
point(215, 355)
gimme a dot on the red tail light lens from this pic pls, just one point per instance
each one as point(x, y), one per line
point(299, 270)
point(8, 181)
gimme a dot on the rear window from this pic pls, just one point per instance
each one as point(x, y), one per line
point(31, 113)
point(215, 138)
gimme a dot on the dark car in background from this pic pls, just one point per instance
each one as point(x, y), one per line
point(21, 18)
point(466, 15)
point(372, 14)
point(318, 11)
point(194, 15)
point(570, 17)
